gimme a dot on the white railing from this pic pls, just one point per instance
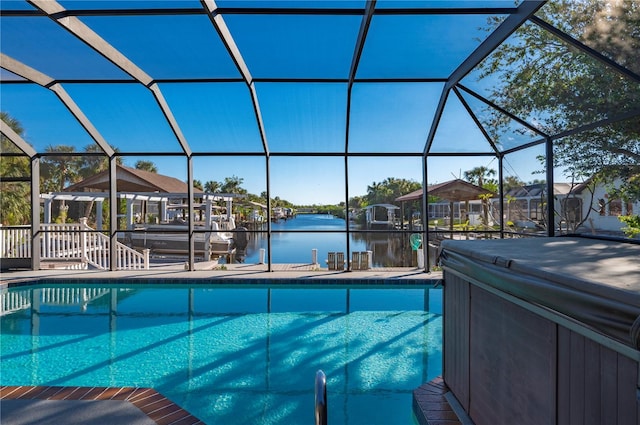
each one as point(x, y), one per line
point(60, 241)
point(130, 259)
point(74, 241)
point(70, 296)
point(14, 301)
point(15, 242)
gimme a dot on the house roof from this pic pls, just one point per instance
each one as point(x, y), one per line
point(132, 180)
point(387, 206)
point(452, 190)
point(538, 189)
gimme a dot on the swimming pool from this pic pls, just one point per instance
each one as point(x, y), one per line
point(242, 354)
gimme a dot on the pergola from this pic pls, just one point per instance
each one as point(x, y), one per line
point(453, 191)
point(271, 83)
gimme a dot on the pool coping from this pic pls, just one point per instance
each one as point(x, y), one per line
point(396, 277)
point(154, 405)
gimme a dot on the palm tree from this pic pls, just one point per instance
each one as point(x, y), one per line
point(146, 166)
point(58, 172)
point(212, 186)
point(92, 165)
point(512, 182)
point(233, 185)
point(15, 207)
point(480, 175)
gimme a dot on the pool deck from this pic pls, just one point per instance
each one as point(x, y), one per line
point(434, 404)
point(27, 405)
point(231, 273)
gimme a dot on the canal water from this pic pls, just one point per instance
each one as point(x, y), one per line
point(293, 240)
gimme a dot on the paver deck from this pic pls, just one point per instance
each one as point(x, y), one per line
point(86, 405)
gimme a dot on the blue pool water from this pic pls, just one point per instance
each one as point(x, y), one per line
point(232, 355)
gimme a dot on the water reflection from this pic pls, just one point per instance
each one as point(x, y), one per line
point(293, 240)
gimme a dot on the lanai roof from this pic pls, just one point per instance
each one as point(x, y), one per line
point(190, 77)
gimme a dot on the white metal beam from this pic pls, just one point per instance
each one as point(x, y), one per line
point(225, 35)
point(93, 40)
point(18, 68)
point(17, 140)
point(82, 119)
point(47, 82)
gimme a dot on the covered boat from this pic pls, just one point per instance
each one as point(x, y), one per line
point(173, 238)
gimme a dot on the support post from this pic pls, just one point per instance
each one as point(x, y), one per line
point(99, 217)
point(501, 194)
point(190, 211)
point(551, 219)
point(35, 214)
point(113, 212)
point(83, 238)
point(425, 213)
point(145, 255)
point(129, 214)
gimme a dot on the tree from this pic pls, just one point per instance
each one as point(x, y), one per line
point(554, 86)
point(357, 202)
point(197, 184)
point(59, 170)
point(233, 185)
point(481, 176)
point(212, 186)
point(90, 165)
point(14, 203)
point(511, 182)
point(387, 191)
point(146, 166)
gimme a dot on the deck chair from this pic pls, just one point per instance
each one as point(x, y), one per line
point(331, 260)
point(364, 261)
point(355, 260)
point(339, 260)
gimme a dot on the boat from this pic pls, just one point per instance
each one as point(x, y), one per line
point(278, 213)
point(173, 239)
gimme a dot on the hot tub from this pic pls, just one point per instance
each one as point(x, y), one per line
point(543, 330)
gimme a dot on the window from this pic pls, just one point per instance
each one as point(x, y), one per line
point(572, 210)
point(629, 208)
point(615, 207)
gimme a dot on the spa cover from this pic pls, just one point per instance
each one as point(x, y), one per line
point(596, 282)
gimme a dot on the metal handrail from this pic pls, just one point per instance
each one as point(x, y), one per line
point(321, 398)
